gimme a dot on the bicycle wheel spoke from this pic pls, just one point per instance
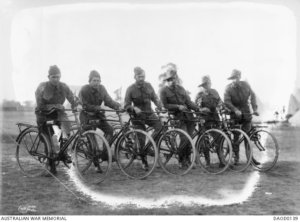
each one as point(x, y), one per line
point(242, 150)
point(215, 151)
point(92, 157)
point(177, 152)
point(136, 154)
point(265, 150)
point(32, 151)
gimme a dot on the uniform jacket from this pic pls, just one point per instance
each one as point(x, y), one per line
point(172, 97)
point(91, 98)
point(240, 96)
point(48, 95)
point(141, 97)
point(211, 100)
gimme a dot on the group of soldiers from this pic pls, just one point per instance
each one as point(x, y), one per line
point(238, 97)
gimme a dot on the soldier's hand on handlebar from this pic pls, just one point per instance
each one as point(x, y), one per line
point(181, 107)
point(238, 113)
point(78, 108)
point(58, 107)
point(205, 109)
point(137, 110)
point(161, 110)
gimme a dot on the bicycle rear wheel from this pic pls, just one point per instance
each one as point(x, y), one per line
point(32, 152)
point(92, 157)
point(242, 150)
point(214, 151)
point(177, 152)
point(136, 154)
point(266, 150)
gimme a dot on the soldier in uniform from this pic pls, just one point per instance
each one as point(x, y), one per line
point(92, 96)
point(240, 99)
point(138, 101)
point(49, 95)
point(175, 98)
point(208, 101)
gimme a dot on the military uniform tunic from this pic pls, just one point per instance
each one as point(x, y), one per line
point(211, 100)
point(49, 96)
point(91, 99)
point(239, 96)
point(141, 96)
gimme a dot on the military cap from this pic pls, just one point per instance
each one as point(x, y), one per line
point(93, 74)
point(53, 70)
point(204, 81)
point(170, 74)
point(235, 74)
point(138, 70)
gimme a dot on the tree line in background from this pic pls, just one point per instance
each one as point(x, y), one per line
point(12, 105)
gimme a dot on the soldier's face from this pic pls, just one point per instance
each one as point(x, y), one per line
point(140, 78)
point(236, 80)
point(54, 79)
point(170, 81)
point(208, 84)
point(95, 81)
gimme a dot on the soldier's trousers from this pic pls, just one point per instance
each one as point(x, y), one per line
point(151, 120)
point(184, 152)
point(59, 116)
point(101, 124)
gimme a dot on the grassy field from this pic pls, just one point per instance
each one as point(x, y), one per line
point(277, 191)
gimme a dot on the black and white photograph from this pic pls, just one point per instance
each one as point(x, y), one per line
point(129, 107)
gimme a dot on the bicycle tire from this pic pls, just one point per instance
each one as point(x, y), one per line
point(32, 152)
point(171, 149)
point(245, 150)
point(133, 148)
point(92, 157)
point(214, 151)
point(266, 154)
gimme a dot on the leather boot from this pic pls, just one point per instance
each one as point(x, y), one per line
point(236, 158)
point(207, 157)
point(145, 163)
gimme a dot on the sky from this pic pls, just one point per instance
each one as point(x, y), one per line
point(200, 38)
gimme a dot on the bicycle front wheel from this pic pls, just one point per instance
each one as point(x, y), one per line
point(266, 150)
point(136, 154)
point(242, 150)
point(214, 151)
point(177, 152)
point(92, 156)
point(32, 152)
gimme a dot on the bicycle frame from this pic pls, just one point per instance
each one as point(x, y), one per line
point(49, 124)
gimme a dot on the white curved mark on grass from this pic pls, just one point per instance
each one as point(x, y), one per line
point(228, 196)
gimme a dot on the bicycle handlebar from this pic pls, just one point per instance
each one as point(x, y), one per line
point(53, 109)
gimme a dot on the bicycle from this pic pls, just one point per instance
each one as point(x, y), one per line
point(213, 146)
point(173, 143)
point(133, 147)
point(267, 148)
point(242, 149)
point(35, 152)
